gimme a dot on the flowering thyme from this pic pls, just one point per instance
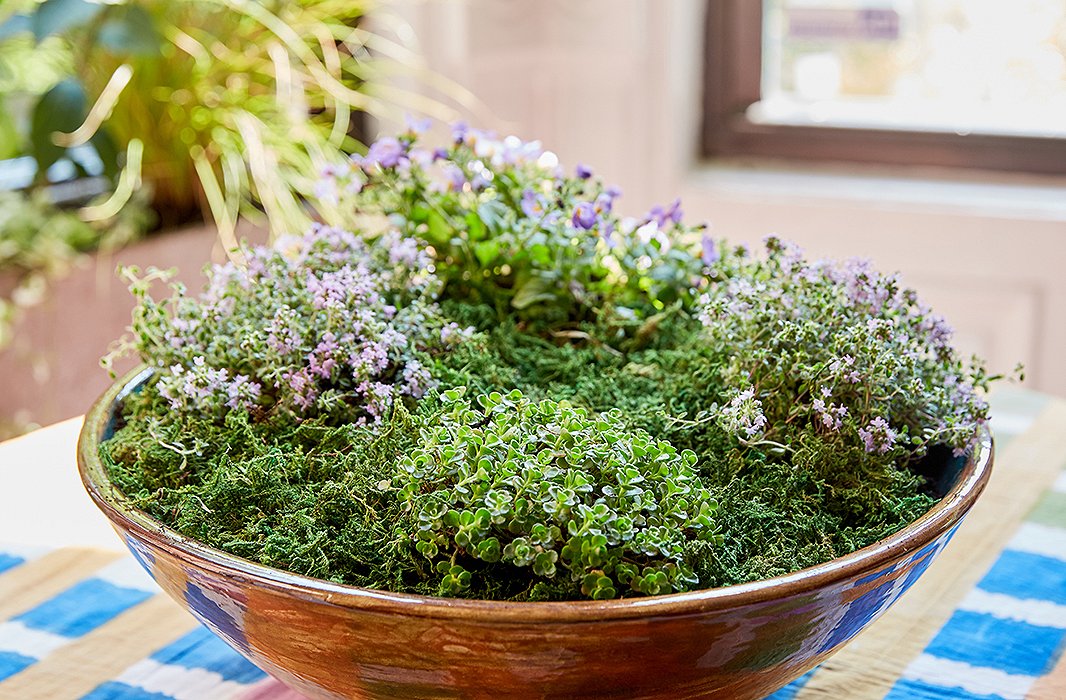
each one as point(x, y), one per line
point(327, 323)
point(836, 348)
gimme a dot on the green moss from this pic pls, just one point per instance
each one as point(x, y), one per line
point(308, 498)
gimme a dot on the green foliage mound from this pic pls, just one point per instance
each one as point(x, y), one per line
point(503, 389)
point(540, 484)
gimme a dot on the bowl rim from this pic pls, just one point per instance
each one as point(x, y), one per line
point(940, 519)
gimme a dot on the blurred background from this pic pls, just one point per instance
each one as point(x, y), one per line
point(928, 136)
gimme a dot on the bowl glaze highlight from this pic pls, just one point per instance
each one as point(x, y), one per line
point(332, 641)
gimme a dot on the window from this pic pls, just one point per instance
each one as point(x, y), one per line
point(958, 83)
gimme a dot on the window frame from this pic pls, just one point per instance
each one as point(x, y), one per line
point(732, 83)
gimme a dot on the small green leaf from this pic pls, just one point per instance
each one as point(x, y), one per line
point(57, 16)
point(475, 228)
point(108, 152)
point(438, 231)
point(486, 251)
point(540, 254)
point(60, 109)
point(533, 290)
point(9, 137)
point(489, 550)
point(493, 214)
point(130, 30)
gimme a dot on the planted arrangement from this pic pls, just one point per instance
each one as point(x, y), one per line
point(494, 385)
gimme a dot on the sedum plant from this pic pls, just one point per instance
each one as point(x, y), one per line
point(394, 406)
point(549, 487)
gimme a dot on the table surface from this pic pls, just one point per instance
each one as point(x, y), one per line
point(79, 619)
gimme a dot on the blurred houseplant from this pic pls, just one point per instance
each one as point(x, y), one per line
point(38, 238)
point(215, 109)
point(225, 106)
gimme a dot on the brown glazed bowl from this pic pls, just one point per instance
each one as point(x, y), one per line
point(332, 641)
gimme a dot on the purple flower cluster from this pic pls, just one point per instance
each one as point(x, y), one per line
point(324, 322)
point(386, 152)
point(851, 349)
point(877, 436)
point(200, 384)
point(502, 210)
point(666, 215)
point(743, 415)
point(832, 415)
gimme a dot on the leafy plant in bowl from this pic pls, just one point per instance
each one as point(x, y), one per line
point(504, 442)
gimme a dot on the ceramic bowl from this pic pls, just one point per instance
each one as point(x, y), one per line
point(332, 641)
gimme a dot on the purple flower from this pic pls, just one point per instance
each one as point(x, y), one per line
point(708, 250)
point(510, 151)
point(386, 152)
point(743, 414)
point(584, 216)
point(416, 126)
point(378, 397)
point(322, 360)
point(242, 392)
point(370, 359)
point(403, 251)
point(844, 367)
point(417, 379)
point(482, 178)
point(326, 191)
point(533, 205)
point(336, 289)
point(607, 234)
point(453, 334)
point(832, 416)
point(459, 131)
point(422, 157)
point(454, 176)
point(877, 436)
point(939, 331)
point(661, 216)
point(304, 389)
point(583, 171)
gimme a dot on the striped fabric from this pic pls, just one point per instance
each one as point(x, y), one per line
point(1009, 632)
point(986, 622)
point(37, 633)
point(44, 639)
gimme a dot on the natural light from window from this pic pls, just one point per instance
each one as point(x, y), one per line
point(962, 66)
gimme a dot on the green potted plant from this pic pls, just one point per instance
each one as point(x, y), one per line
point(219, 106)
point(502, 435)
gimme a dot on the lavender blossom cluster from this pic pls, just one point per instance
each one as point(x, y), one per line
point(834, 350)
point(513, 228)
point(329, 323)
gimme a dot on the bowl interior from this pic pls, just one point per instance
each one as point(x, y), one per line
point(958, 481)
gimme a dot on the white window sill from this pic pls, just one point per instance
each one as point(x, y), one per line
point(980, 194)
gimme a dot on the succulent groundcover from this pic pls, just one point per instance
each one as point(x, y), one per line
point(491, 384)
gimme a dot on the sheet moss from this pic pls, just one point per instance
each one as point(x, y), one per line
point(305, 497)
